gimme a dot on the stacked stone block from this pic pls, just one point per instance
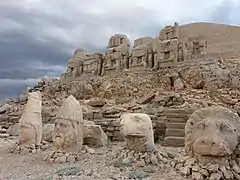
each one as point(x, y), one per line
point(175, 126)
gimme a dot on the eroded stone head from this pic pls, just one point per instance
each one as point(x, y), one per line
point(138, 131)
point(68, 131)
point(30, 122)
point(212, 131)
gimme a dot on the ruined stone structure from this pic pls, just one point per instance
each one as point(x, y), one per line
point(164, 52)
point(92, 64)
point(142, 54)
point(194, 47)
point(117, 54)
point(170, 49)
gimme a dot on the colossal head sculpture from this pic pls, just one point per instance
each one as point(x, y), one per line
point(212, 132)
point(117, 40)
point(137, 131)
point(68, 131)
point(30, 122)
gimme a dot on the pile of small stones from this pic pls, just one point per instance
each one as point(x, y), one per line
point(142, 158)
point(29, 149)
point(64, 157)
point(189, 167)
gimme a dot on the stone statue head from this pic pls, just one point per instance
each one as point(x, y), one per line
point(68, 131)
point(138, 131)
point(30, 123)
point(213, 132)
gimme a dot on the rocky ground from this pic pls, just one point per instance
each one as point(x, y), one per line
point(102, 165)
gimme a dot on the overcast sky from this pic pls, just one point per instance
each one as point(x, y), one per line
point(37, 37)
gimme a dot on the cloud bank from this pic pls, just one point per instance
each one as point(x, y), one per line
point(37, 37)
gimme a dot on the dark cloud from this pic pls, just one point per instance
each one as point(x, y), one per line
point(38, 37)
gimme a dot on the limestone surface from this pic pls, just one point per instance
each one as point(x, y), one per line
point(138, 131)
point(30, 122)
point(68, 131)
point(212, 131)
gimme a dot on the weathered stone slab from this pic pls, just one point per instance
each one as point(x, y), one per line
point(94, 136)
point(175, 132)
point(174, 141)
point(13, 130)
point(175, 125)
point(175, 115)
point(146, 98)
point(4, 108)
point(175, 111)
point(177, 120)
point(97, 103)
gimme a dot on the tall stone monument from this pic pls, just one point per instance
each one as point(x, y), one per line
point(116, 57)
point(30, 122)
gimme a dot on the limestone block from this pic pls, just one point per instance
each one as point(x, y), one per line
point(68, 131)
point(175, 132)
point(212, 131)
point(143, 40)
point(137, 130)
point(118, 39)
point(4, 108)
point(30, 123)
point(140, 51)
point(94, 136)
point(174, 141)
point(146, 98)
point(47, 133)
point(13, 130)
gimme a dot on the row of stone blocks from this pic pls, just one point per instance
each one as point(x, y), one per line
point(175, 126)
point(171, 126)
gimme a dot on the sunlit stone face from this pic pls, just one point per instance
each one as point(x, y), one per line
point(65, 136)
point(212, 132)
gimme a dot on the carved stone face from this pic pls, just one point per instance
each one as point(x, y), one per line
point(212, 131)
point(65, 136)
point(215, 137)
point(137, 131)
point(27, 134)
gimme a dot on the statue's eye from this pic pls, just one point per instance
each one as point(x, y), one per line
point(225, 127)
point(201, 126)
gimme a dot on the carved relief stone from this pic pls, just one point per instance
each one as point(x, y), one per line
point(195, 47)
point(116, 57)
point(142, 54)
point(169, 47)
point(211, 133)
point(92, 64)
point(68, 131)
